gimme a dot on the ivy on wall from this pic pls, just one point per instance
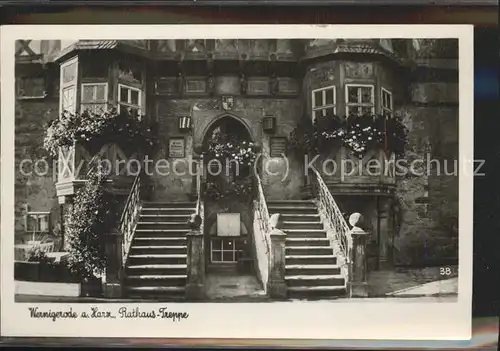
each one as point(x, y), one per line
point(93, 130)
point(359, 133)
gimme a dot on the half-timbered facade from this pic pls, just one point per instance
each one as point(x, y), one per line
point(258, 90)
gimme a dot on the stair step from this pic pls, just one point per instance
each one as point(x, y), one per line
point(162, 225)
point(303, 203)
point(159, 241)
point(155, 277)
point(310, 259)
point(292, 210)
point(152, 204)
point(308, 250)
point(157, 292)
point(158, 249)
point(159, 269)
point(164, 217)
point(312, 269)
point(156, 280)
point(171, 211)
point(291, 242)
point(316, 291)
point(166, 233)
point(314, 280)
point(158, 259)
point(302, 225)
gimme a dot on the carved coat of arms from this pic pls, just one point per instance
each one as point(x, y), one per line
point(227, 103)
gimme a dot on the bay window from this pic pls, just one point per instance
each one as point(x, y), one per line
point(359, 99)
point(323, 102)
point(129, 98)
point(386, 103)
point(94, 97)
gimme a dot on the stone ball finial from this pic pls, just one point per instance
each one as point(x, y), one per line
point(275, 220)
point(356, 220)
point(194, 221)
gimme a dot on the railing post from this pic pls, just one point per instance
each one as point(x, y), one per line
point(195, 285)
point(358, 282)
point(112, 287)
point(276, 285)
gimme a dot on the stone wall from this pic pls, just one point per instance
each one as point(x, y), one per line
point(34, 186)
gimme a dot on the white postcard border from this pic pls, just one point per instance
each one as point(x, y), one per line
point(346, 319)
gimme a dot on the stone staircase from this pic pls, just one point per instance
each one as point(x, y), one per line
point(157, 263)
point(311, 269)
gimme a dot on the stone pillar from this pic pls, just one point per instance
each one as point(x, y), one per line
point(276, 286)
point(112, 281)
point(358, 277)
point(195, 285)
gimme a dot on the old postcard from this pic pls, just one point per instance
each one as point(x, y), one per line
point(237, 181)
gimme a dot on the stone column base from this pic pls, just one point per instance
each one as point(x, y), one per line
point(195, 292)
point(358, 289)
point(112, 290)
point(277, 290)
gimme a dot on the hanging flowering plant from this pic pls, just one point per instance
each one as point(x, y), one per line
point(357, 133)
point(88, 220)
point(233, 157)
point(92, 130)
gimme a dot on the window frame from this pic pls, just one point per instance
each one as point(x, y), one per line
point(359, 104)
point(72, 84)
point(384, 109)
point(128, 104)
point(30, 97)
point(94, 101)
point(224, 241)
point(324, 106)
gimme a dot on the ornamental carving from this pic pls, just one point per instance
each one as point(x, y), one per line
point(323, 74)
point(358, 70)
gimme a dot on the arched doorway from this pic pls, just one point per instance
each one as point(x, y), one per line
point(228, 147)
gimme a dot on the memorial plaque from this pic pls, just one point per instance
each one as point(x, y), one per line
point(228, 224)
point(176, 147)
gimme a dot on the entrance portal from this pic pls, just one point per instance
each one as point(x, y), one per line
point(228, 162)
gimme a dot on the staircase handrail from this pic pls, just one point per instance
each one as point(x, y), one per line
point(334, 217)
point(263, 212)
point(199, 199)
point(130, 215)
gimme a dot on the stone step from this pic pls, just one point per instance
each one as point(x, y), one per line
point(156, 280)
point(290, 242)
point(314, 280)
point(292, 210)
point(161, 233)
point(302, 225)
point(168, 211)
point(159, 241)
point(156, 259)
point(158, 269)
point(161, 225)
point(310, 259)
point(152, 204)
point(310, 234)
point(311, 269)
point(155, 292)
point(308, 250)
point(291, 203)
point(300, 217)
point(151, 217)
point(164, 250)
point(309, 292)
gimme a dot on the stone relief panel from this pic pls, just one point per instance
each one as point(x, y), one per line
point(288, 86)
point(258, 86)
point(358, 70)
point(166, 46)
point(322, 76)
point(196, 85)
point(226, 48)
point(197, 46)
point(166, 86)
point(227, 85)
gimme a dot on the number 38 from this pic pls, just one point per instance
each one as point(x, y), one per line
point(445, 271)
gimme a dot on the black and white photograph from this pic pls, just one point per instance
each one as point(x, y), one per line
point(184, 171)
